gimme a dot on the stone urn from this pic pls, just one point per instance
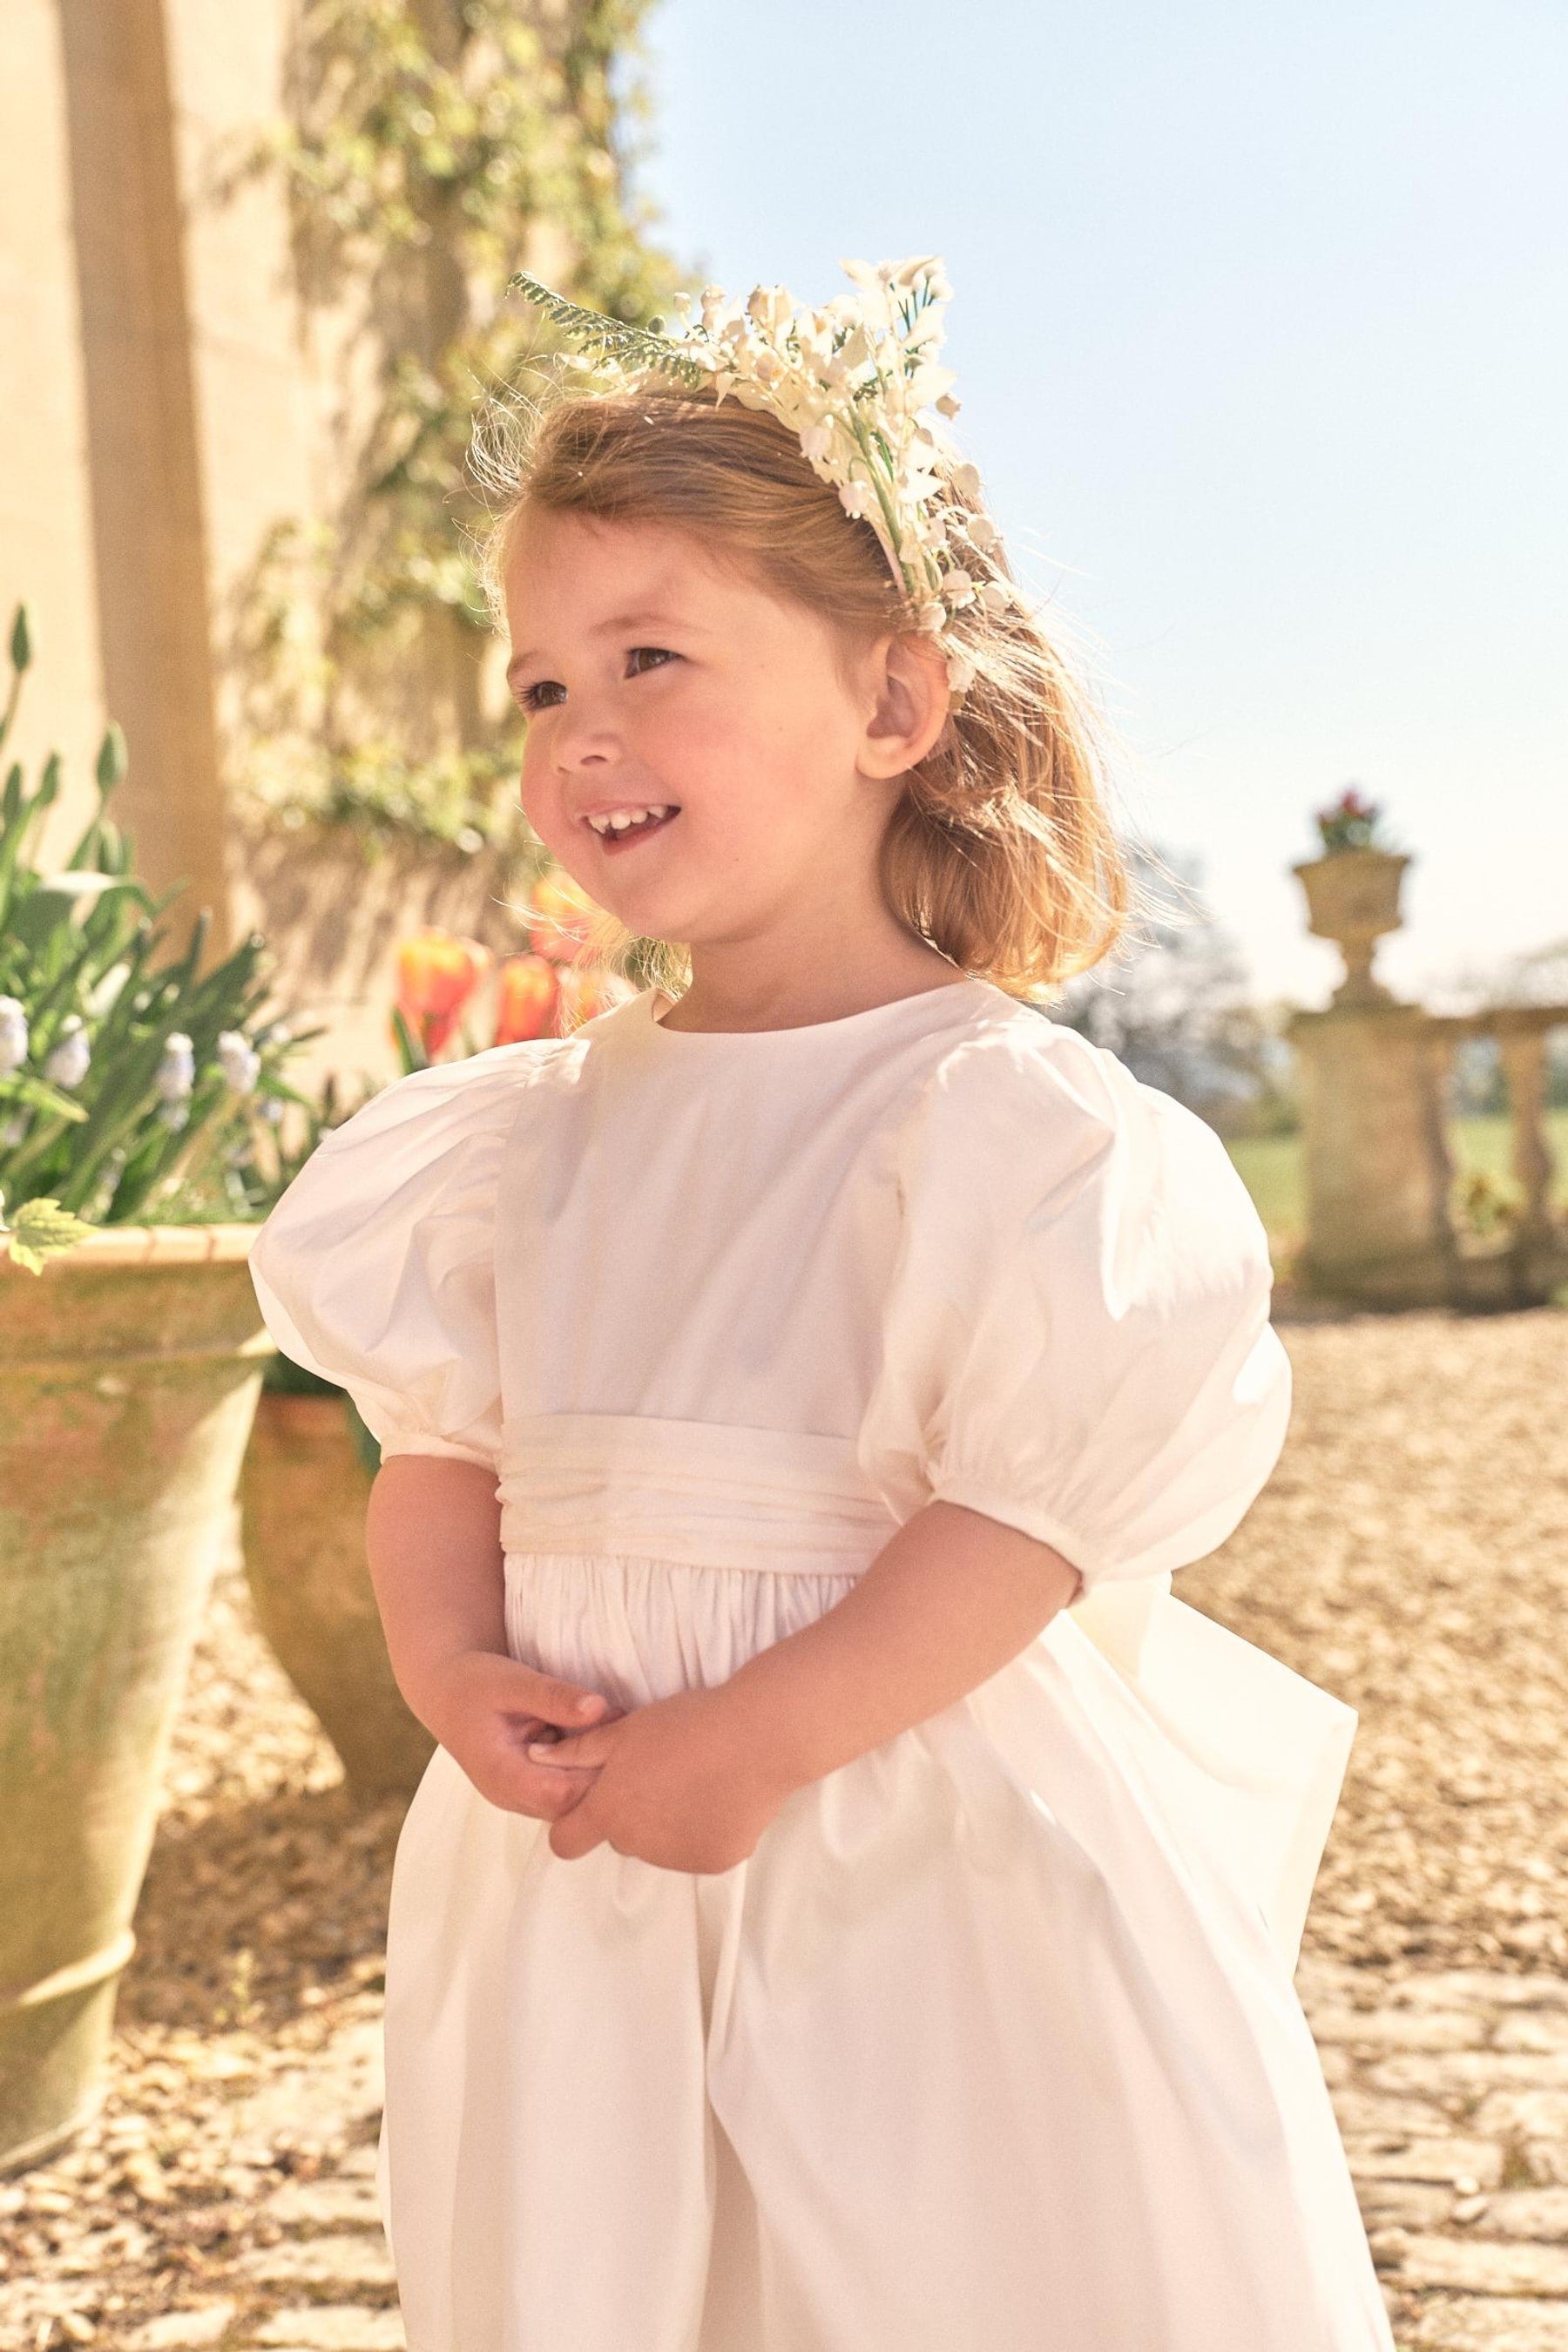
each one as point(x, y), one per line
point(129, 1373)
point(304, 1491)
point(1352, 899)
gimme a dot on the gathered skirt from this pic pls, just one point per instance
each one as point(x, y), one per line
point(990, 2046)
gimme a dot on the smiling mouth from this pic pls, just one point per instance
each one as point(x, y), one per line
point(613, 837)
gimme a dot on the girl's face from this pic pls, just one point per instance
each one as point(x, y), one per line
point(663, 686)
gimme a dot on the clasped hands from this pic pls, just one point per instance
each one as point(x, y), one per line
point(675, 1783)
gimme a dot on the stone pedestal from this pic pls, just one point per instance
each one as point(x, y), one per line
point(1352, 899)
point(1377, 1168)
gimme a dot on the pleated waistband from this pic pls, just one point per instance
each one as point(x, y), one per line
point(696, 1492)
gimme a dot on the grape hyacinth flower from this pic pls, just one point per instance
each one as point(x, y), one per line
point(174, 1077)
point(238, 1060)
point(13, 1035)
point(66, 1063)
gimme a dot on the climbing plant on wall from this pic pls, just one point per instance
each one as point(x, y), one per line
point(428, 143)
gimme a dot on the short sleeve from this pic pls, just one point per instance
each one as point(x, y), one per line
point(375, 1269)
point(1076, 1338)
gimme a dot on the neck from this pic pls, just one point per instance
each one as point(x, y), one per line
point(725, 994)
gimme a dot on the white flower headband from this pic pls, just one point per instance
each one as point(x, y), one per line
point(852, 381)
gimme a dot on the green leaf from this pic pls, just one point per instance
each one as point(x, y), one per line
point(21, 640)
point(40, 1230)
point(20, 814)
point(37, 1094)
point(631, 347)
point(410, 1051)
point(113, 759)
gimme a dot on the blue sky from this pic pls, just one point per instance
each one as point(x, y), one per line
point(1261, 332)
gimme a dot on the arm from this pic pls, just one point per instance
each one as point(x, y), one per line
point(947, 1602)
point(692, 1782)
point(433, 1542)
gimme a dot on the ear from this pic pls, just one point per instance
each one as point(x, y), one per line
point(909, 696)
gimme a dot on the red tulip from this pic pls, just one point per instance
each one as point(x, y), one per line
point(437, 974)
point(528, 996)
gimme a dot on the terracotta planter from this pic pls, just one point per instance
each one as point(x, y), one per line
point(303, 1493)
point(1352, 899)
point(129, 1373)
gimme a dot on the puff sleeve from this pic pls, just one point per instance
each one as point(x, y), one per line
point(375, 1268)
point(1076, 1338)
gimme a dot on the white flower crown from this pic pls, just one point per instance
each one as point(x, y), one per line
point(851, 380)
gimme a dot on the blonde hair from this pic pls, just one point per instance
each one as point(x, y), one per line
point(999, 853)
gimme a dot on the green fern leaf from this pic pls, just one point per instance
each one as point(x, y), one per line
point(612, 339)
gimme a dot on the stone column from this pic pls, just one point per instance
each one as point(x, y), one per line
point(1372, 1071)
point(1521, 1048)
point(45, 519)
point(1376, 1165)
point(143, 457)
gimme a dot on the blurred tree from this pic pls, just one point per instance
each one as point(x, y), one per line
point(1538, 976)
point(1175, 1005)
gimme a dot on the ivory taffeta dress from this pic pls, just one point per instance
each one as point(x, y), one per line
point(992, 2045)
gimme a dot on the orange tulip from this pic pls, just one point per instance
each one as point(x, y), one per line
point(528, 996)
point(561, 917)
point(437, 974)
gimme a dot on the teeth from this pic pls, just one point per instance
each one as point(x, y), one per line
point(620, 819)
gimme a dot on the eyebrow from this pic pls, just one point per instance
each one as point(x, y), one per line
point(648, 616)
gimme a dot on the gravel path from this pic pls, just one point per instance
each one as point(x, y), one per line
point(1411, 1554)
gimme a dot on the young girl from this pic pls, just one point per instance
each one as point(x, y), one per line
point(852, 1907)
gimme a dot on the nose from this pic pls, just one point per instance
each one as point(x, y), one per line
point(582, 736)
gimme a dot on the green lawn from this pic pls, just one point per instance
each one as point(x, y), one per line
point(1270, 1165)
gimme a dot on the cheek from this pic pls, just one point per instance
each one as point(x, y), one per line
point(742, 752)
point(696, 728)
point(539, 795)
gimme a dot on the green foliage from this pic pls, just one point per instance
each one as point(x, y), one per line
point(270, 1176)
point(283, 1376)
point(628, 347)
point(366, 1446)
point(1352, 823)
point(464, 800)
point(297, 1135)
point(427, 138)
point(1487, 1204)
point(127, 1083)
point(1271, 1169)
point(40, 1230)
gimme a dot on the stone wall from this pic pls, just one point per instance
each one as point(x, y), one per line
point(167, 397)
point(45, 517)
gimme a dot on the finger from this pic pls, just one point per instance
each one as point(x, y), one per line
point(526, 1691)
point(577, 1832)
point(577, 1795)
point(573, 1749)
point(535, 1788)
point(532, 1784)
point(542, 1743)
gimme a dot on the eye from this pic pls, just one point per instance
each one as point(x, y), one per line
point(542, 695)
